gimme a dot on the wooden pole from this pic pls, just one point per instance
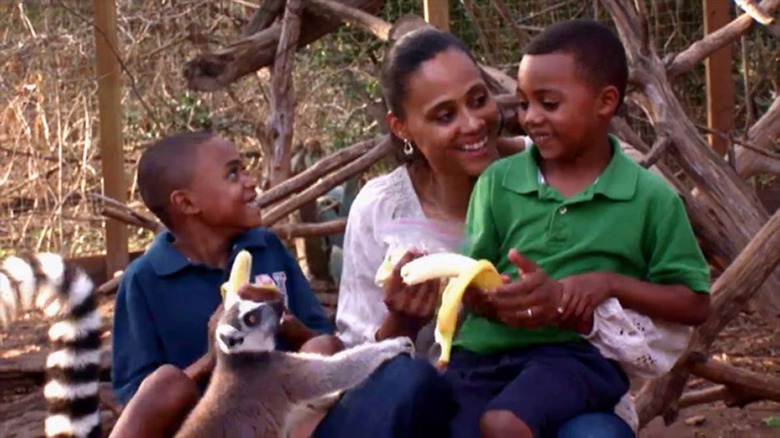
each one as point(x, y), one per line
point(109, 77)
point(720, 86)
point(437, 12)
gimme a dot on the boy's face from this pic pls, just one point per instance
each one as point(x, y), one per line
point(561, 112)
point(221, 194)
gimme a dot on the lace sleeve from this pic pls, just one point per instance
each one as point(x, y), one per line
point(643, 346)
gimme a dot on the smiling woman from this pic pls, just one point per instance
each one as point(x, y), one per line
point(446, 126)
point(445, 123)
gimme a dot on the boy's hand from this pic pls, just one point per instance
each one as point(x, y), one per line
point(582, 293)
point(478, 301)
point(530, 302)
point(417, 303)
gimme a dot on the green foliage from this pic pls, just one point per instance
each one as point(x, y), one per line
point(773, 421)
point(191, 113)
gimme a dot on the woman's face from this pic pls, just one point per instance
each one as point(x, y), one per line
point(450, 115)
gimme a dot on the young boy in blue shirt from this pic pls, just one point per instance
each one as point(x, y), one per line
point(574, 222)
point(195, 184)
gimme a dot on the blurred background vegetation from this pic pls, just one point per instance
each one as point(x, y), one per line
point(48, 93)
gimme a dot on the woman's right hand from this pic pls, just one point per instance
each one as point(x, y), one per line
point(411, 307)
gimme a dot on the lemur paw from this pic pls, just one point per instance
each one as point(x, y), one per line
point(396, 346)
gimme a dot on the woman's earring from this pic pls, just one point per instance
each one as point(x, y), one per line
point(408, 148)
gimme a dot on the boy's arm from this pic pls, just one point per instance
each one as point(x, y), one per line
point(136, 350)
point(677, 286)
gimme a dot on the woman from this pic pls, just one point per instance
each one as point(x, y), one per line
point(446, 125)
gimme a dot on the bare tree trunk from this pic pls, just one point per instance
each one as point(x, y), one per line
point(735, 210)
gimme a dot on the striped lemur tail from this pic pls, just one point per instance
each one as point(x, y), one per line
point(66, 294)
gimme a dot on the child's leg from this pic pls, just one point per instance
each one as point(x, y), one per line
point(557, 383)
point(159, 407)
point(476, 379)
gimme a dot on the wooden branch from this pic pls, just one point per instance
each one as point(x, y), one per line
point(132, 218)
point(264, 16)
point(656, 151)
point(703, 396)
point(759, 384)
point(309, 230)
point(732, 204)
point(468, 7)
point(121, 212)
point(109, 287)
point(213, 71)
point(358, 166)
point(280, 122)
point(731, 292)
point(350, 15)
point(686, 60)
point(755, 11)
point(763, 134)
point(521, 35)
point(731, 397)
point(315, 172)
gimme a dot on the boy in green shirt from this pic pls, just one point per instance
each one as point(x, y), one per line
point(574, 222)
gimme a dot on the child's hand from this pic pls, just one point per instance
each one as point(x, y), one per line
point(582, 293)
point(417, 302)
point(530, 302)
point(478, 301)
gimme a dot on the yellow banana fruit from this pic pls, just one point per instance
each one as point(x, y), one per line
point(239, 276)
point(481, 274)
point(385, 270)
point(461, 271)
point(436, 265)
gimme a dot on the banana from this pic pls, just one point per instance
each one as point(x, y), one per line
point(480, 273)
point(385, 270)
point(461, 271)
point(436, 265)
point(239, 276)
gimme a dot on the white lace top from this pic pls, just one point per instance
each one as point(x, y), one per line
point(645, 348)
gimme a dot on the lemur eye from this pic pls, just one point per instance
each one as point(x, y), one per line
point(250, 319)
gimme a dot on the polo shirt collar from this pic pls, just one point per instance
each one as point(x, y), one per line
point(167, 260)
point(617, 181)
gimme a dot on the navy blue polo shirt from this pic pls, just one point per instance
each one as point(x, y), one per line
point(165, 301)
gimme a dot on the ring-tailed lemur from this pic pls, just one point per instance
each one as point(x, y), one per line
point(256, 390)
point(43, 282)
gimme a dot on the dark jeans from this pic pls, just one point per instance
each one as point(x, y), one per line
point(408, 398)
point(544, 385)
point(405, 397)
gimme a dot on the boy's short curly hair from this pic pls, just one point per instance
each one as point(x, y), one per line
point(167, 165)
point(598, 53)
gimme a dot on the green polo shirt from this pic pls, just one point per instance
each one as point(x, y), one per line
point(629, 221)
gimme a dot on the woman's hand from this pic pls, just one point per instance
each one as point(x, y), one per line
point(411, 307)
point(530, 302)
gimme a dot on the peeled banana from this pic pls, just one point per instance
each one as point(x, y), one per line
point(461, 271)
point(239, 276)
point(385, 270)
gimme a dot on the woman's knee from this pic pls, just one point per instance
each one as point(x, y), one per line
point(501, 424)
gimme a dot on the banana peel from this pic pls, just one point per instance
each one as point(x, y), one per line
point(461, 271)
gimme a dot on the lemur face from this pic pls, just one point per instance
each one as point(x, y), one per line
point(249, 326)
